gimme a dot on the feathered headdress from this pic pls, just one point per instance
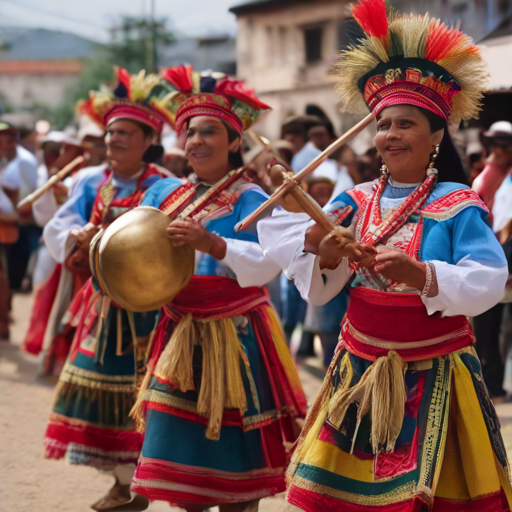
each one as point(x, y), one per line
point(210, 94)
point(138, 97)
point(410, 59)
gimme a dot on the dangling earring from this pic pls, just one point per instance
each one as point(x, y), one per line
point(431, 169)
point(384, 169)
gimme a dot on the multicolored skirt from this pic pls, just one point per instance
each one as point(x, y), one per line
point(97, 388)
point(220, 401)
point(372, 444)
point(43, 302)
point(51, 331)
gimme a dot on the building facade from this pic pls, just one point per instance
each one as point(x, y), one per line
point(37, 66)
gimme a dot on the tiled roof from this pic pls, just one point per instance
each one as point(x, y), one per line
point(260, 5)
point(40, 67)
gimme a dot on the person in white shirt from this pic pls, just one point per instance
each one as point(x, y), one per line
point(18, 179)
point(8, 219)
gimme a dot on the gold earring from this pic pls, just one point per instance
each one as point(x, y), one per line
point(431, 169)
point(384, 169)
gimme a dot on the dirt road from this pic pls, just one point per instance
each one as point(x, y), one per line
point(28, 482)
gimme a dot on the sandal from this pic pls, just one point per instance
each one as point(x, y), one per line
point(120, 499)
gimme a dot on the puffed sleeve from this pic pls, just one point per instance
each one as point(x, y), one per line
point(283, 236)
point(157, 192)
point(244, 255)
point(474, 280)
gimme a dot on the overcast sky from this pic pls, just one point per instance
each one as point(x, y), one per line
point(92, 18)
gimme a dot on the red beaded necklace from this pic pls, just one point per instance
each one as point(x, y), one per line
point(372, 230)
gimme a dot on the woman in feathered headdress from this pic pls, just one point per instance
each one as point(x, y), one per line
point(403, 421)
point(221, 397)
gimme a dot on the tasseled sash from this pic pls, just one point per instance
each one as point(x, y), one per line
point(393, 330)
point(203, 314)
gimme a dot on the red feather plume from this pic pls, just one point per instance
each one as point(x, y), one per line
point(237, 89)
point(180, 77)
point(123, 77)
point(372, 16)
point(442, 40)
point(86, 107)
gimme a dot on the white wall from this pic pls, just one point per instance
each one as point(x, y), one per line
point(23, 90)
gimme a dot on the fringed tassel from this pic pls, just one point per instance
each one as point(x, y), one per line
point(112, 405)
point(175, 362)
point(221, 380)
point(235, 396)
point(221, 384)
point(211, 400)
point(346, 374)
point(380, 391)
point(138, 411)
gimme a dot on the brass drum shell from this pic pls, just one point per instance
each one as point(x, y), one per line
point(135, 263)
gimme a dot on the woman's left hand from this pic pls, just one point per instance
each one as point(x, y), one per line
point(399, 267)
point(189, 231)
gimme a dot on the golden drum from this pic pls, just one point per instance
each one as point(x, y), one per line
point(135, 263)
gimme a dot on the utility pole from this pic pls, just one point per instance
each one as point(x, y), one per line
point(153, 37)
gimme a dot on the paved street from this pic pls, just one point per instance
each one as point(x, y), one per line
point(28, 482)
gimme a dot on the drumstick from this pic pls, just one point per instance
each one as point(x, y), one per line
point(59, 176)
point(287, 186)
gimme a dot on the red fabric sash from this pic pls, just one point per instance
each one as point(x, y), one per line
point(213, 297)
point(377, 322)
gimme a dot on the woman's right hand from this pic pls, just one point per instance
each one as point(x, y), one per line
point(339, 244)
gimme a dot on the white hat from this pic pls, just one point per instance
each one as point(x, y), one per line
point(54, 136)
point(499, 129)
point(87, 126)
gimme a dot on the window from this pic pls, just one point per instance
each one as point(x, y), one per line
point(313, 44)
point(283, 44)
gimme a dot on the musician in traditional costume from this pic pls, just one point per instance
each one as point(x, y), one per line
point(403, 421)
point(221, 397)
point(90, 422)
point(46, 334)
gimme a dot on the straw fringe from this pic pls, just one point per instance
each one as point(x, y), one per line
point(380, 392)
point(175, 363)
point(221, 379)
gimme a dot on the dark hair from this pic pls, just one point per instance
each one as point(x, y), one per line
point(448, 162)
point(146, 129)
point(234, 157)
point(316, 111)
point(299, 125)
point(232, 133)
point(153, 154)
point(475, 157)
point(327, 125)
